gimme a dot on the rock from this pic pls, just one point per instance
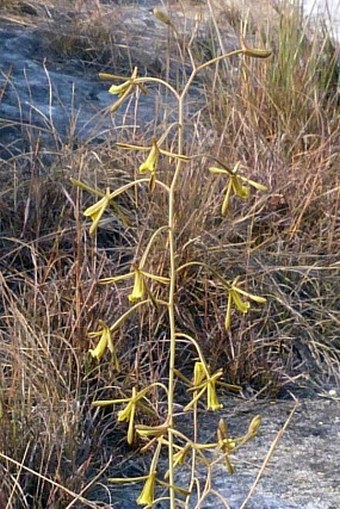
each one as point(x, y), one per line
point(302, 471)
point(64, 100)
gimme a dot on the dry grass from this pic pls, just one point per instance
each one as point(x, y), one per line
point(282, 122)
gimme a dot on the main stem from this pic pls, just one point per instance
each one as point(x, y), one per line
point(172, 290)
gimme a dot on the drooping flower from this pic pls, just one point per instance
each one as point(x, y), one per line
point(207, 383)
point(234, 298)
point(122, 90)
point(105, 341)
point(237, 185)
point(147, 495)
point(225, 444)
point(140, 286)
point(127, 414)
point(150, 164)
point(96, 211)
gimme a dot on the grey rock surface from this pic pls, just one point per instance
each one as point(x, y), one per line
point(59, 99)
point(303, 472)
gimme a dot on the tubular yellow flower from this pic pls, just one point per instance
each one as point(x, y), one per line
point(234, 298)
point(199, 373)
point(150, 164)
point(96, 211)
point(254, 426)
point(152, 431)
point(225, 444)
point(104, 342)
point(121, 89)
point(212, 399)
point(237, 185)
point(127, 414)
point(138, 287)
point(207, 384)
point(180, 456)
point(242, 306)
point(147, 495)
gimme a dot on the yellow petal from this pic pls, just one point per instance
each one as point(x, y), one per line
point(131, 428)
point(151, 161)
point(96, 211)
point(256, 298)
point(152, 431)
point(239, 303)
point(99, 351)
point(138, 288)
point(147, 495)
point(226, 200)
point(212, 399)
point(120, 89)
point(199, 373)
point(254, 425)
point(218, 171)
point(115, 279)
point(227, 322)
point(253, 183)
point(238, 188)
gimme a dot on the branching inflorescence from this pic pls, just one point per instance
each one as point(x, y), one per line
point(180, 448)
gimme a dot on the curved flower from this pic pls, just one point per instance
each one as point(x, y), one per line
point(237, 185)
point(225, 444)
point(121, 89)
point(140, 287)
point(234, 298)
point(96, 211)
point(127, 414)
point(206, 383)
point(151, 161)
point(105, 342)
point(147, 495)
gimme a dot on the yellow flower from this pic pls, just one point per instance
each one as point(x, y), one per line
point(212, 399)
point(128, 413)
point(121, 89)
point(207, 383)
point(225, 444)
point(152, 431)
point(96, 211)
point(235, 185)
point(138, 287)
point(200, 373)
point(147, 495)
point(104, 342)
point(234, 298)
point(254, 426)
point(150, 164)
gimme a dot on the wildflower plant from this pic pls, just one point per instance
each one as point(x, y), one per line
point(147, 287)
